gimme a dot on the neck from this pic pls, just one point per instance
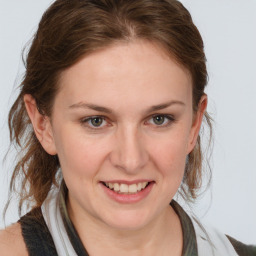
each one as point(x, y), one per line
point(100, 239)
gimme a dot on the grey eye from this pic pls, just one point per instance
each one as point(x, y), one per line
point(96, 121)
point(159, 120)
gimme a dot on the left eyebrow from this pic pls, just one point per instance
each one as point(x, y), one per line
point(165, 105)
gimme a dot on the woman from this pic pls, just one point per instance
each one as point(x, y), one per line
point(108, 119)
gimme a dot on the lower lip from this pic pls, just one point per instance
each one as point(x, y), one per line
point(128, 198)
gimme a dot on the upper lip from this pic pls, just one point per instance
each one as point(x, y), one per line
point(128, 182)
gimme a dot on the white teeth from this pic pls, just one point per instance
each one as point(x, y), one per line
point(133, 188)
point(123, 188)
point(127, 189)
point(144, 184)
point(116, 187)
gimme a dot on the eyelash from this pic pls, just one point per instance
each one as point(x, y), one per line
point(87, 120)
point(168, 120)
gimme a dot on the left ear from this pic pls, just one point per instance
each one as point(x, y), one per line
point(197, 121)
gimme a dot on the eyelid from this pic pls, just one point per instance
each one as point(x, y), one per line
point(85, 122)
point(169, 117)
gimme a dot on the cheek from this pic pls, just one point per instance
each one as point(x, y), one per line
point(78, 154)
point(169, 157)
point(171, 162)
point(170, 153)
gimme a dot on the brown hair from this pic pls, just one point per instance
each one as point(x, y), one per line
point(70, 30)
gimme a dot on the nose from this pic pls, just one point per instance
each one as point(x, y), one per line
point(129, 151)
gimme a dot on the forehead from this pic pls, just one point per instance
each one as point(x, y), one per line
point(126, 72)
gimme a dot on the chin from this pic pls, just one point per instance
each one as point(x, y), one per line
point(128, 220)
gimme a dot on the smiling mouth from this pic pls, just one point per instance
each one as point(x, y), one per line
point(122, 188)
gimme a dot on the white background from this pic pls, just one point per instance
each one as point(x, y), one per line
point(228, 28)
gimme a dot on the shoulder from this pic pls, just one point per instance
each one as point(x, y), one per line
point(11, 241)
point(241, 248)
point(211, 239)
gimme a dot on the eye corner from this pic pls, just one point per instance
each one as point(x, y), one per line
point(160, 120)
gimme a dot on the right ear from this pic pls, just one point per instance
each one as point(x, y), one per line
point(41, 124)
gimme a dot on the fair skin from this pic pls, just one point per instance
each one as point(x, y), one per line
point(123, 115)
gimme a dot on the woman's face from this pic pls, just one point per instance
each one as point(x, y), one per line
point(122, 126)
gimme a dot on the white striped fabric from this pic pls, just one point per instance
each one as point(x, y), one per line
point(218, 245)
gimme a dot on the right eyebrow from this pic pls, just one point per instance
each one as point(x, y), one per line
point(91, 106)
